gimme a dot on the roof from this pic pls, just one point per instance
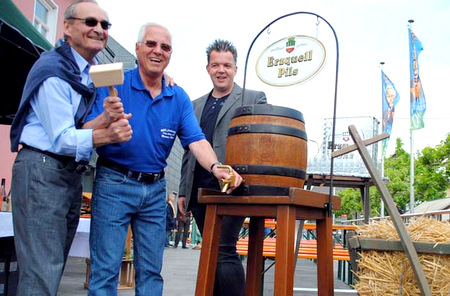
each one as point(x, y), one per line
point(20, 46)
point(433, 205)
point(12, 16)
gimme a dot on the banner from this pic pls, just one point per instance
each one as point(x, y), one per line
point(418, 104)
point(390, 99)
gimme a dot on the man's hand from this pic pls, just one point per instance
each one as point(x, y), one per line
point(112, 109)
point(169, 80)
point(181, 204)
point(120, 130)
point(220, 173)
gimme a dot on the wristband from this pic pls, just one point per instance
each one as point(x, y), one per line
point(213, 165)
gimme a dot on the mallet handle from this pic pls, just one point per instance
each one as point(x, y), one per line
point(112, 91)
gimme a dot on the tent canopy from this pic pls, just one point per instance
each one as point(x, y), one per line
point(20, 46)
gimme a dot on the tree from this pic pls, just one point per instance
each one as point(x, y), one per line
point(431, 179)
point(351, 202)
point(397, 171)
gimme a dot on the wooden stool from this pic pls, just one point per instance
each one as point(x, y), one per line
point(126, 276)
point(127, 272)
point(299, 204)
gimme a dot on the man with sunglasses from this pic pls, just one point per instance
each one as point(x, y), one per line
point(129, 187)
point(46, 181)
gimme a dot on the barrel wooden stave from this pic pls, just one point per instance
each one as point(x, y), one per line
point(261, 148)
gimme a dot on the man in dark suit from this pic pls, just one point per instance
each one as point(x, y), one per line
point(214, 112)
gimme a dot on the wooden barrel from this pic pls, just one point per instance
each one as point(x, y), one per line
point(267, 146)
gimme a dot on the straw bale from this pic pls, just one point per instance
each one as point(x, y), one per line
point(390, 273)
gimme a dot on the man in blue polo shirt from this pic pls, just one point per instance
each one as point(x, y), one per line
point(130, 184)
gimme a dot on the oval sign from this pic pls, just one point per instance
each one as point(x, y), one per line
point(291, 60)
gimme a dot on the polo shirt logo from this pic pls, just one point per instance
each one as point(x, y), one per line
point(168, 133)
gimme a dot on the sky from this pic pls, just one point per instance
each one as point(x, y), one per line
point(368, 32)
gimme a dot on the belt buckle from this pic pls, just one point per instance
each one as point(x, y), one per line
point(148, 177)
point(151, 177)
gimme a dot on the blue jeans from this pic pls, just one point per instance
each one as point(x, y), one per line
point(117, 202)
point(46, 210)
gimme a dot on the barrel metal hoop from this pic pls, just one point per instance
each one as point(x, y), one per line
point(268, 129)
point(270, 170)
point(267, 109)
point(261, 190)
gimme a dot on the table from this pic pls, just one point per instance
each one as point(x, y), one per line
point(363, 183)
point(80, 245)
point(79, 248)
point(299, 204)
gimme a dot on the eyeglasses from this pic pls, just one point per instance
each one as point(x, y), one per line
point(152, 44)
point(92, 22)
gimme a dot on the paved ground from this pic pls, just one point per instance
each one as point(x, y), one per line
point(180, 271)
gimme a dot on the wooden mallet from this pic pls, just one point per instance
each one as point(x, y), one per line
point(107, 75)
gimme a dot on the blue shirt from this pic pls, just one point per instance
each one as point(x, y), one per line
point(155, 122)
point(50, 124)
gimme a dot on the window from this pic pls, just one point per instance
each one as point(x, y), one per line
point(45, 18)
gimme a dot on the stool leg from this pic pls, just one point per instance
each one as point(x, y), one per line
point(253, 283)
point(284, 266)
point(208, 255)
point(325, 278)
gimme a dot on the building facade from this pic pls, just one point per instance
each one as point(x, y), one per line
point(46, 16)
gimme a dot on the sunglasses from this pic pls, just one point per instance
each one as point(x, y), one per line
point(92, 22)
point(152, 44)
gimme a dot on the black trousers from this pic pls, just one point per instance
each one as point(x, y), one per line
point(183, 227)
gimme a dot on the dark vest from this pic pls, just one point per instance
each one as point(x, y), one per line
point(60, 63)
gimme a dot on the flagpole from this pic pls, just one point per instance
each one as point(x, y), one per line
point(411, 186)
point(382, 161)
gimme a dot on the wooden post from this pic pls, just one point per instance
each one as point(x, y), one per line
point(255, 260)
point(128, 243)
point(209, 252)
point(284, 272)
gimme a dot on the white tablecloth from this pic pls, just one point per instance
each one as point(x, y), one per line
point(80, 245)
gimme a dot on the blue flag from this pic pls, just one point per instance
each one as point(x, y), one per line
point(390, 99)
point(418, 104)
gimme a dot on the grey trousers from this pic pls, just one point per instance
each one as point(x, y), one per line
point(46, 198)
